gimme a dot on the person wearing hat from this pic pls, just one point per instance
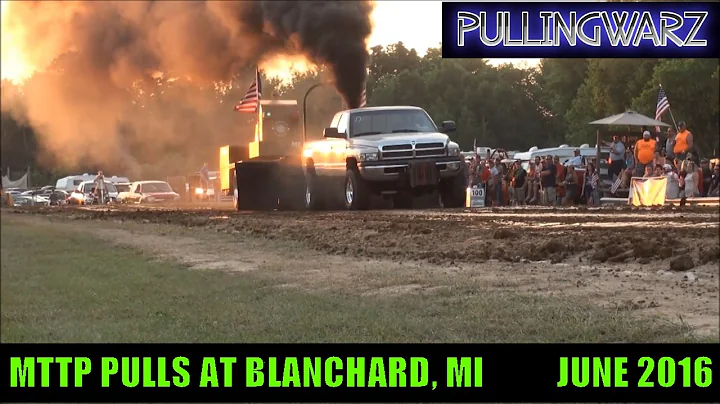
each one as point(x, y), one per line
point(644, 153)
point(683, 141)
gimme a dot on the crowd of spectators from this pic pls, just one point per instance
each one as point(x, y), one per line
point(544, 181)
point(547, 181)
point(673, 158)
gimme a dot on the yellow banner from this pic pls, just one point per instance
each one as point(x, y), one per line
point(648, 191)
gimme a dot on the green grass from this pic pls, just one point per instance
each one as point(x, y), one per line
point(60, 285)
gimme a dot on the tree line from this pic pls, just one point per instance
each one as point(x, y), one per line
point(508, 106)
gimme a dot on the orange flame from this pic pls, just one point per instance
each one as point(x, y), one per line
point(13, 64)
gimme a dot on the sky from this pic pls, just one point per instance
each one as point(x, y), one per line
point(419, 27)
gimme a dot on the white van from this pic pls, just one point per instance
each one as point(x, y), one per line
point(564, 152)
point(70, 183)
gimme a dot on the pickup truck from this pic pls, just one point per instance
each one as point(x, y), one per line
point(395, 152)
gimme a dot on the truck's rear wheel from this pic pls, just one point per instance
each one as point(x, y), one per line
point(357, 194)
point(453, 191)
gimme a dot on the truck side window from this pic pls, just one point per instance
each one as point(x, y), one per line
point(342, 126)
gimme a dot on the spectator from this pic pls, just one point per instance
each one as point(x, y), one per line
point(547, 180)
point(476, 170)
point(99, 188)
point(484, 174)
point(707, 173)
point(504, 185)
point(670, 144)
point(617, 157)
point(691, 181)
point(577, 160)
point(658, 160)
point(509, 180)
point(559, 180)
point(683, 141)
point(714, 187)
point(659, 171)
point(204, 178)
point(649, 172)
point(590, 187)
point(532, 183)
point(698, 178)
point(629, 160)
point(53, 196)
point(672, 191)
point(644, 153)
point(490, 190)
point(571, 186)
point(519, 183)
point(622, 182)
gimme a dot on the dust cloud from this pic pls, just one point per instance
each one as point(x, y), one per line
point(137, 86)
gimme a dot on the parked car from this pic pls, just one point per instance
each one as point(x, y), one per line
point(123, 186)
point(84, 195)
point(25, 200)
point(148, 192)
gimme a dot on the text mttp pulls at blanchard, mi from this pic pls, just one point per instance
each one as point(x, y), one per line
point(243, 372)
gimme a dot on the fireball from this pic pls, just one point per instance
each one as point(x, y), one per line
point(13, 62)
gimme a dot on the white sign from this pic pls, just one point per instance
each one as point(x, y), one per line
point(475, 197)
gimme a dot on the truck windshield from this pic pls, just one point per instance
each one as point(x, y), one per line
point(156, 187)
point(390, 121)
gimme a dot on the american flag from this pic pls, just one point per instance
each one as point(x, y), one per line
point(250, 102)
point(363, 98)
point(616, 184)
point(662, 105)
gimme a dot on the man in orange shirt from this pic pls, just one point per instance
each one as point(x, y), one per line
point(683, 141)
point(644, 153)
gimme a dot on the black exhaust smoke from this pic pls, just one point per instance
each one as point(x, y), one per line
point(332, 33)
point(96, 52)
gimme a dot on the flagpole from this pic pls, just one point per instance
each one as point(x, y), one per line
point(258, 111)
point(670, 110)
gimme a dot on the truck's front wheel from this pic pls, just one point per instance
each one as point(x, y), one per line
point(357, 194)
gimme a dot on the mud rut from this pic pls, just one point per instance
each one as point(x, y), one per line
point(662, 261)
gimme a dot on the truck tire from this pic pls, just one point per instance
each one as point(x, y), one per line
point(453, 192)
point(357, 194)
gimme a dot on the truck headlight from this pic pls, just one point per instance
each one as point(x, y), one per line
point(368, 156)
point(453, 151)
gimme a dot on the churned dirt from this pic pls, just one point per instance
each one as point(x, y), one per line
point(663, 261)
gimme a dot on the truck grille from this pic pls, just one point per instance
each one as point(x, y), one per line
point(419, 150)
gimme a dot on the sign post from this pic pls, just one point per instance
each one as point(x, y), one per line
point(475, 197)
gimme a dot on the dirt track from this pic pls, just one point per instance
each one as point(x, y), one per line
point(662, 261)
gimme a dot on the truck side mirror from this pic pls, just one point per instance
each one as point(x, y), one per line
point(331, 133)
point(448, 127)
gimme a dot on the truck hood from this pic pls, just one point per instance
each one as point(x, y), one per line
point(399, 138)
